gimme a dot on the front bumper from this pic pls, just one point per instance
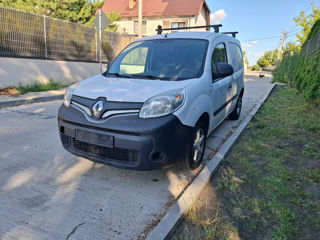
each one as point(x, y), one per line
point(124, 141)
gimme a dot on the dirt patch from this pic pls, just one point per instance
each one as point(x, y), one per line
point(9, 91)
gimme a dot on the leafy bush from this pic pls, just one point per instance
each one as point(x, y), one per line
point(255, 67)
point(285, 70)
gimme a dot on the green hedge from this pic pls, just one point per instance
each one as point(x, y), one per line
point(302, 71)
point(307, 76)
point(315, 29)
point(286, 69)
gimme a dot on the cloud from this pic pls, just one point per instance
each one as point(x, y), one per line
point(246, 46)
point(218, 16)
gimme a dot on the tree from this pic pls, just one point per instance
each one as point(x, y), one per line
point(291, 47)
point(245, 58)
point(255, 67)
point(112, 16)
point(80, 11)
point(306, 22)
point(263, 62)
point(268, 58)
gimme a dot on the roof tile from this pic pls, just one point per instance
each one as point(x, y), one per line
point(155, 8)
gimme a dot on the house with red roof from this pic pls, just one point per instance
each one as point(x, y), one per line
point(167, 13)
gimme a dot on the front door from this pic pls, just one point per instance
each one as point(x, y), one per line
point(221, 87)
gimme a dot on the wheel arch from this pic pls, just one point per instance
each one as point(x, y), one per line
point(199, 108)
point(241, 92)
point(205, 118)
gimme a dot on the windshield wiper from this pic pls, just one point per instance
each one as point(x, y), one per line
point(145, 76)
point(120, 75)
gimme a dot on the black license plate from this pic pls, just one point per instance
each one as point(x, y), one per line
point(94, 138)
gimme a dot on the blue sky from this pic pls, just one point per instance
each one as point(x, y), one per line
point(256, 20)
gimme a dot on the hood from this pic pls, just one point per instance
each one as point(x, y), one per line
point(125, 89)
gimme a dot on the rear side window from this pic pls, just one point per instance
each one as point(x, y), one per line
point(219, 55)
point(236, 57)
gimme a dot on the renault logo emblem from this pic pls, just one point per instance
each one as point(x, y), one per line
point(97, 108)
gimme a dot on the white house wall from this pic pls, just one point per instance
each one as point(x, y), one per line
point(127, 25)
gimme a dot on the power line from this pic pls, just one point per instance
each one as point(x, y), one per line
point(260, 39)
point(306, 8)
point(291, 33)
point(295, 30)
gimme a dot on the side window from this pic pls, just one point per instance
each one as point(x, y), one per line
point(236, 57)
point(134, 62)
point(219, 55)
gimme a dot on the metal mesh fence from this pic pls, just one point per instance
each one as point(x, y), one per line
point(28, 35)
point(311, 47)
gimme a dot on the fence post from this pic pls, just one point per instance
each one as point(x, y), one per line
point(96, 39)
point(45, 37)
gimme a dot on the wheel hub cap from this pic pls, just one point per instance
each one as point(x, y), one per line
point(198, 145)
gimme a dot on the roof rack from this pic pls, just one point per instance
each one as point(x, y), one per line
point(216, 28)
point(232, 33)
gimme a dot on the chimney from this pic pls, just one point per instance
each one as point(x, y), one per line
point(132, 3)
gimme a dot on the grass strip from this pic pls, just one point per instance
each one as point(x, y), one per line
point(51, 85)
point(268, 185)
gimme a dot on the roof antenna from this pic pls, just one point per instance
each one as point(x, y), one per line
point(166, 35)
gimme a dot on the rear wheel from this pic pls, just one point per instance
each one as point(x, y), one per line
point(235, 114)
point(196, 147)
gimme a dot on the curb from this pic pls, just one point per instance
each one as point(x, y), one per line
point(173, 217)
point(12, 103)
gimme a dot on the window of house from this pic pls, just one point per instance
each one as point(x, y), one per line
point(144, 26)
point(236, 57)
point(219, 55)
point(178, 24)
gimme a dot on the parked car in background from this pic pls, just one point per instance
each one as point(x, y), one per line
point(156, 103)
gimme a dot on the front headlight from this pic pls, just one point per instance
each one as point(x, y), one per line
point(68, 94)
point(162, 104)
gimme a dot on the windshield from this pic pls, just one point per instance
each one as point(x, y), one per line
point(164, 59)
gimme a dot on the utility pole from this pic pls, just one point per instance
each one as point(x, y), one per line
point(284, 39)
point(284, 36)
point(140, 20)
point(280, 46)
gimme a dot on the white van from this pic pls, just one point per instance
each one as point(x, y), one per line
point(157, 102)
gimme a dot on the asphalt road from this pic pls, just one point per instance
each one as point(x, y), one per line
point(47, 193)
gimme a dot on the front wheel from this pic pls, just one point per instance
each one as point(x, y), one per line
point(196, 147)
point(235, 114)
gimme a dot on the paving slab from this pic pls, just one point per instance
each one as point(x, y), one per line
point(46, 193)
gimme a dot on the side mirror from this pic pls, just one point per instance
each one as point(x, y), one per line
point(223, 70)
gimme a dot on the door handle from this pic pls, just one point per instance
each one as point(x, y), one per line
point(230, 85)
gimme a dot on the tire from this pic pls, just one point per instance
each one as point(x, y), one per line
point(199, 131)
point(235, 114)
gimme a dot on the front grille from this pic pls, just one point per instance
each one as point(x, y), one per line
point(103, 153)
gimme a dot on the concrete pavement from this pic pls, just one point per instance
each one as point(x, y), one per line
point(46, 193)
